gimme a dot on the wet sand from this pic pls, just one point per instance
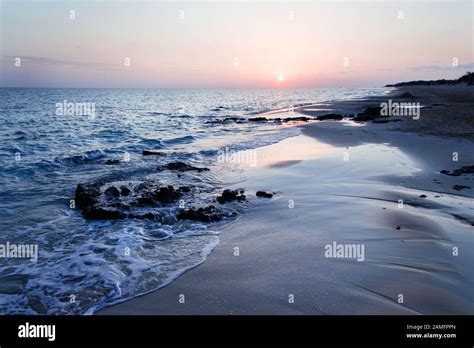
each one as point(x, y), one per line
point(341, 182)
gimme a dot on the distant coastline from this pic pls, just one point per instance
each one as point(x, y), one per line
point(467, 78)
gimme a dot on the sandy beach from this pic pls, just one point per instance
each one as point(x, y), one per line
point(376, 185)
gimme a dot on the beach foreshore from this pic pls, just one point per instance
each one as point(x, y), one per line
point(375, 186)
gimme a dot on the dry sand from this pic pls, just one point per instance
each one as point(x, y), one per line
point(340, 182)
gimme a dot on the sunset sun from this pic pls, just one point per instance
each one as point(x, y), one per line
point(281, 78)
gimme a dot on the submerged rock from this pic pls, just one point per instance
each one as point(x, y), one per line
point(370, 114)
point(336, 117)
point(207, 214)
point(152, 153)
point(112, 161)
point(87, 194)
point(185, 189)
point(34, 302)
point(167, 194)
point(102, 212)
point(112, 191)
point(280, 120)
point(296, 119)
point(145, 186)
point(460, 187)
point(144, 201)
point(148, 216)
point(460, 171)
point(228, 120)
point(182, 167)
point(373, 110)
point(13, 284)
point(231, 195)
point(258, 119)
point(125, 191)
point(264, 194)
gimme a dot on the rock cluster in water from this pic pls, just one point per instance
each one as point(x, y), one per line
point(230, 196)
point(460, 171)
point(102, 200)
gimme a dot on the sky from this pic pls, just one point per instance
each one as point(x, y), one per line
point(253, 44)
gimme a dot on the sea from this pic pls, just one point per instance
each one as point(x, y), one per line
point(54, 139)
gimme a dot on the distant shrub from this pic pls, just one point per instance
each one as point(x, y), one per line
point(467, 78)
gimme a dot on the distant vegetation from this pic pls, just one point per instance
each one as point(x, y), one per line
point(467, 78)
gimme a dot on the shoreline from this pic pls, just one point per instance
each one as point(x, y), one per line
point(281, 249)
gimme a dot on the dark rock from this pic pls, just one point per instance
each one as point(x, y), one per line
point(336, 117)
point(101, 212)
point(99, 250)
point(423, 196)
point(152, 153)
point(145, 186)
point(219, 108)
point(258, 119)
point(460, 187)
point(230, 195)
point(398, 228)
point(112, 191)
point(87, 195)
point(167, 194)
point(228, 120)
point(112, 161)
point(370, 114)
point(460, 171)
point(148, 216)
point(185, 189)
point(207, 214)
point(278, 119)
point(294, 119)
point(373, 111)
point(144, 201)
point(125, 191)
point(182, 167)
point(264, 194)
point(119, 205)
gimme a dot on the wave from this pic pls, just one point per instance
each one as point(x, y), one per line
point(87, 157)
point(187, 139)
point(90, 270)
point(151, 144)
